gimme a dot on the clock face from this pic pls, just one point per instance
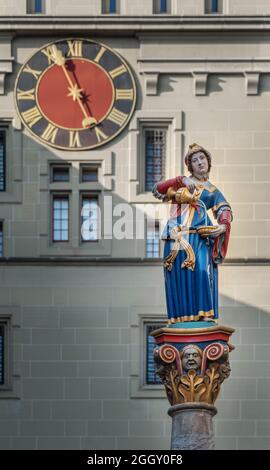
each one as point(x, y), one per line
point(75, 94)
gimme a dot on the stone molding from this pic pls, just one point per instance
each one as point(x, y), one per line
point(6, 59)
point(134, 24)
point(200, 69)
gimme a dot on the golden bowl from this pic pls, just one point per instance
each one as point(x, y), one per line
point(183, 196)
point(206, 230)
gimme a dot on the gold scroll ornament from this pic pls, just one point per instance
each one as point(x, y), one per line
point(182, 196)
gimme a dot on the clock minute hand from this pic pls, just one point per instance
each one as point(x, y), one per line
point(60, 60)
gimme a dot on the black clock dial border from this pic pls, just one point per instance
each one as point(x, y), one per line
point(109, 128)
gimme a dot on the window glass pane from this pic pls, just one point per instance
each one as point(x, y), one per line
point(152, 240)
point(89, 214)
point(38, 6)
point(161, 6)
point(35, 6)
point(64, 236)
point(110, 6)
point(2, 161)
point(213, 6)
point(1, 355)
point(57, 224)
point(57, 204)
point(155, 157)
point(1, 240)
point(151, 377)
point(64, 225)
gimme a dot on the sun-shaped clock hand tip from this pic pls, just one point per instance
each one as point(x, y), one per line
point(75, 92)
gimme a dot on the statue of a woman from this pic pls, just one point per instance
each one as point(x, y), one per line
point(193, 245)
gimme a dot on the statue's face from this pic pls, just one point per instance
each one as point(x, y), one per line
point(191, 359)
point(199, 164)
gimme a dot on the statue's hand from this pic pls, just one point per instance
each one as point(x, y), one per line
point(219, 230)
point(189, 183)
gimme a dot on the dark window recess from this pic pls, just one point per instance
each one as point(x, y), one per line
point(155, 157)
point(161, 6)
point(151, 377)
point(153, 240)
point(60, 174)
point(89, 174)
point(110, 6)
point(2, 355)
point(213, 6)
point(35, 6)
point(60, 218)
point(1, 240)
point(2, 161)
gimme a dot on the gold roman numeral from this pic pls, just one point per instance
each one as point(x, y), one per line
point(100, 54)
point(117, 117)
point(31, 116)
point(122, 94)
point(118, 71)
point(74, 139)
point(26, 95)
point(49, 52)
point(35, 73)
point(75, 48)
point(50, 133)
point(100, 134)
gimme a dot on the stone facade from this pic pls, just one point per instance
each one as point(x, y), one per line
point(76, 310)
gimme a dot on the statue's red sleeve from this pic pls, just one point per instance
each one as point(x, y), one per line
point(221, 242)
point(176, 183)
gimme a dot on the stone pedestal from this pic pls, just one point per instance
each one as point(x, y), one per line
point(192, 426)
point(192, 360)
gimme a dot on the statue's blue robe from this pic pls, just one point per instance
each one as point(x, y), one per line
point(191, 295)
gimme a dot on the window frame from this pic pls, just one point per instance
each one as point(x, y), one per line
point(53, 166)
point(89, 166)
point(139, 316)
point(3, 137)
point(156, 7)
point(106, 7)
point(160, 323)
point(90, 195)
point(156, 226)
point(58, 195)
point(155, 326)
point(31, 7)
point(208, 7)
point(5, 322)
point(3, 240)
point(152, 127)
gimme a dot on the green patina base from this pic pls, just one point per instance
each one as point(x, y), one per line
point(192, 324)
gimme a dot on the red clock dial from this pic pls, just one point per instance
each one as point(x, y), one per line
point(75, 94)
point(96, 91)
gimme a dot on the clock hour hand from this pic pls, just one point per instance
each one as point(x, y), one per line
point(74, 91)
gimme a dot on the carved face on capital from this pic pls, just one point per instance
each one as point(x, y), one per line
point(191, 358)
point(199, 164)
